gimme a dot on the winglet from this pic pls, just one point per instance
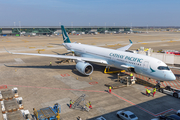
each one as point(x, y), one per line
point(130, 41)
point(8, 51)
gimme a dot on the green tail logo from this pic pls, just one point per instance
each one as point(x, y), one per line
point(152, 70)
point(65, 36)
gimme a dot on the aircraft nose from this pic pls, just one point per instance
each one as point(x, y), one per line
point(170, 77)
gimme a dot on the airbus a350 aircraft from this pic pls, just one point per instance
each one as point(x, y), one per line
point(120, 58)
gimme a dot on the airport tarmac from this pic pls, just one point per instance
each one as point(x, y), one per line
point(42, 85)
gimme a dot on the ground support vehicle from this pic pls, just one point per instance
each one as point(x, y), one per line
point(170, 91)
point(126, 115)
point(48, 113)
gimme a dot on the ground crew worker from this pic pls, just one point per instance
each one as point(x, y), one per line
point(154, 92)
point(70, 103)
point(90, 106)
point(79, 118)
point(146, 91)
point(131, 75)
point(50, 63)
point(149, 92)
point(110, 89)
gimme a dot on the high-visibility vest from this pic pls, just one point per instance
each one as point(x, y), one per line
point(109, 87)
point(149, 91)
point(131, 74)
point(70, 102)
point(50, 62)
point(89, 103)
point(154, 90)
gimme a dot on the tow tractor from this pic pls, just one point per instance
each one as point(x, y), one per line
point(170, 91)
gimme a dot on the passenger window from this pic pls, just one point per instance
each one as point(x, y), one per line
point(123, 114)
point(126, 116)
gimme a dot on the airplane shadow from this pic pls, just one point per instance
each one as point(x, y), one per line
point(45, 67)
point(65, 67)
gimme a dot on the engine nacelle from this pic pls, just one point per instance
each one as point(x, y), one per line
point(84, 68)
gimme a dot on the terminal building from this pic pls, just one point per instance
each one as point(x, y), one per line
point(49, 30)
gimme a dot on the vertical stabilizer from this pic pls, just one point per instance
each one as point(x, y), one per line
point(65, 36)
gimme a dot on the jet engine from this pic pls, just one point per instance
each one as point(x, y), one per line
point(84, 68)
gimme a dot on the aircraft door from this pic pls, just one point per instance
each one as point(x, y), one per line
point(145, 65)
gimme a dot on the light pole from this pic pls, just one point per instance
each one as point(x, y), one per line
point(105, 27)
point(20, 27)
point(147, 29)
point(14, 23)
point(59, 23)
point(71, 24)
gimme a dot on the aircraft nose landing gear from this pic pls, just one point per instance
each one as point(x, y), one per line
point(158, 85)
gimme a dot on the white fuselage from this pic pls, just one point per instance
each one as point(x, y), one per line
point(144, 65)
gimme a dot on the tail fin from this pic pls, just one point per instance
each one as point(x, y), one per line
point(65, 36)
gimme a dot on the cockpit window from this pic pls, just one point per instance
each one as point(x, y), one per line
point(163, 68)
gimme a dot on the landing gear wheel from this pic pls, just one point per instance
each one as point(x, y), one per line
point(161, 90)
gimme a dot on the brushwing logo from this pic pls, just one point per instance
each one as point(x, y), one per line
point(152, 70)
point(65, 38)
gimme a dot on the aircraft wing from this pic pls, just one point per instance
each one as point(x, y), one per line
point(125, 47)
point(66, 57)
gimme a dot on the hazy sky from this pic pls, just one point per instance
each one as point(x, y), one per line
point(93, 12)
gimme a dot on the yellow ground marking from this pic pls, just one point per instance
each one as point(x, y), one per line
point(171, 41)
point(119, 44)
point(40, 50)
point(25, 41)
point(32, 47)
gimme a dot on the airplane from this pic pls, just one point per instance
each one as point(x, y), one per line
point(120, 58)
